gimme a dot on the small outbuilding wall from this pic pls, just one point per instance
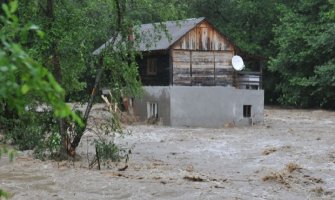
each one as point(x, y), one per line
point(155, 94)
point(212, 107)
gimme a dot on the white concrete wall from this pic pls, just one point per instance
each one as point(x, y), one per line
point(200, 106)
point(214, 106)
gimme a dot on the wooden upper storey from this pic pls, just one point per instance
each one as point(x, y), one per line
point(202, 57)
point(203, 37)
point(190, 52)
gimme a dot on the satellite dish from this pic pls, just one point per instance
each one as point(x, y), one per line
point(238, 63)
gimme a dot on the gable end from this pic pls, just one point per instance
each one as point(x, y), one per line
point(204, 36)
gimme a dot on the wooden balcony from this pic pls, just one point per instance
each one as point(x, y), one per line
point(249, 80)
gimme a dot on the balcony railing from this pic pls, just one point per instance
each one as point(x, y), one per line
point(249, 80)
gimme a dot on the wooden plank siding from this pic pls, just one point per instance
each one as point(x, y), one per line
point(203, 37)
point(202, 57)
point(204, 68)
point(223, 68)
point(181, 67)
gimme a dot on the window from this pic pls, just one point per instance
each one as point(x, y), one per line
point(246, 110)
point(152, 110)
point(152, 66)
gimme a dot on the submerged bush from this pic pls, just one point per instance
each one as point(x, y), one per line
point(34, 131)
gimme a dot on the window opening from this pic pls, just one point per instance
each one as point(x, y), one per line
point(152, 66)
point(152, 110)
point(246, 110)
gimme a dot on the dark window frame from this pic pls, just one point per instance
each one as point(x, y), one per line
point(152, 66)
point(247, 111)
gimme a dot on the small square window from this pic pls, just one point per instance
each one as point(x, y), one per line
point(152, 66)
point(246, 111)
point(152, 110)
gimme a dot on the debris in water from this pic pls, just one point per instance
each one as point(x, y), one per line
point(123, 168)
point(277, 177)
point(269, 151)
point(194, 178)
point(291, 167)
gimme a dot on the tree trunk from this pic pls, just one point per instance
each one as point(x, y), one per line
point(57, 71)
point(79, 135)
point(119, 8)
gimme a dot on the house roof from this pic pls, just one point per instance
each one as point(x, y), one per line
point(160, 36)
point(174, 31)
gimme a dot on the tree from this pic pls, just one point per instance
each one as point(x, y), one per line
point(305, 58)
point(21, 75)
point(248, 23)
point(72, 31)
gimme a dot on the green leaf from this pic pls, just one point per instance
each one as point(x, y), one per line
point(58, 88)
point(6, 9)
point(12, 155)
point(5, 149)
point(3, 194)
point(41, 34)
point(13, 6)
point(24, 89)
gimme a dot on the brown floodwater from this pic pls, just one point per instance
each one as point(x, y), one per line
point(290, 156)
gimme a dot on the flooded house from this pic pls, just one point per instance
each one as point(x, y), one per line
point(189, 79)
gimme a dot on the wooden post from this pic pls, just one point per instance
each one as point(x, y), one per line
point(214, 81)
point(98, 157)
point(191, 76)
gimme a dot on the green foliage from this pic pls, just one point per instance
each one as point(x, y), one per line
point(21, 76)
point(77, 28)
point(3, 194)
point(24, 83)
point(49, 146)
point(25, 136)
point(106, 149)
point(246, 22)
point(305, 58)
point(35, 131)
point(29, 129)
point(72, 30)
point(150, 11)
point(11, 155)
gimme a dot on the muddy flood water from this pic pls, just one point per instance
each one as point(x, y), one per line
point(290, 156)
